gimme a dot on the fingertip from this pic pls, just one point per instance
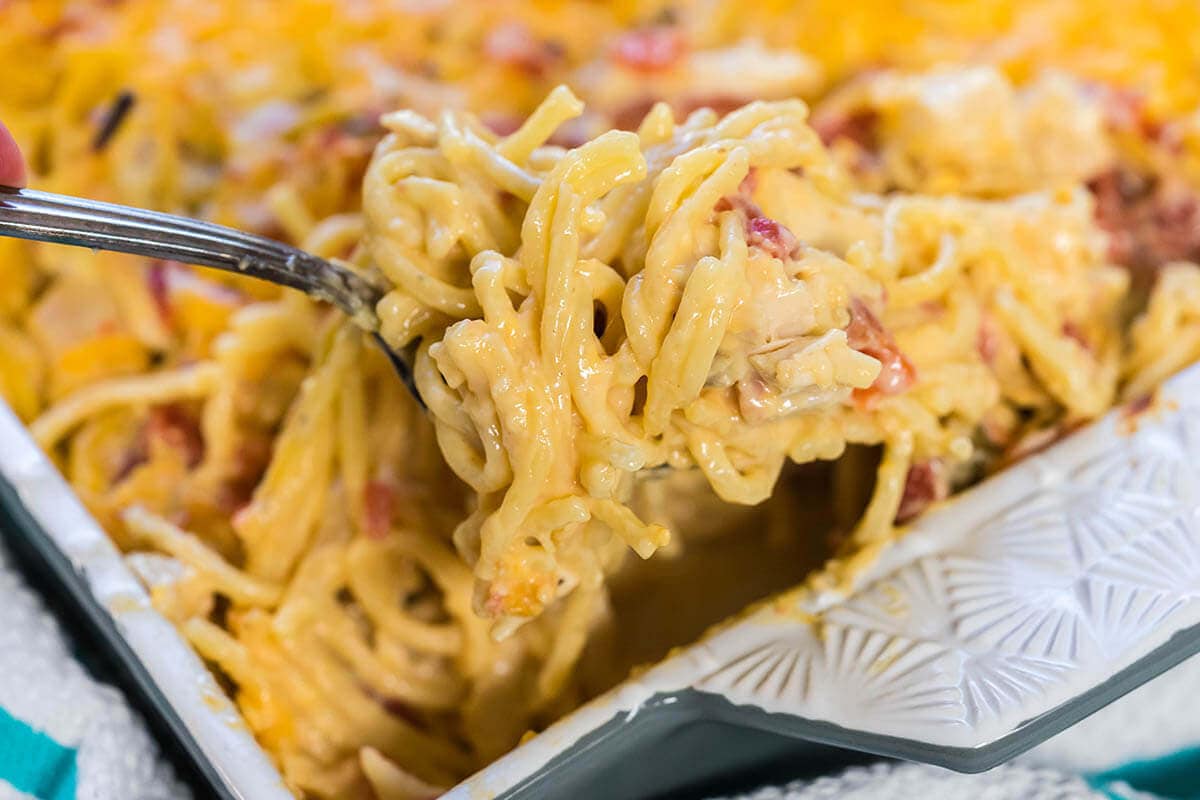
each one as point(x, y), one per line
point(12, 164)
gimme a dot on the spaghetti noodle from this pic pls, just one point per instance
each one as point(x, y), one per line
point(644, 302)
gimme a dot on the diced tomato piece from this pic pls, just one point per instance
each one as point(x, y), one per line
point(174, 427)
point(167, 426)
point(379, 502)
point(987, 341)
point(232, 496)
point(762, 231)
point(925, 484)
point(652, 49)
point(773, 237)
point(866, 334)
point(156, 283)
point(250, 460)
point(167, 280)
point(1150, 221)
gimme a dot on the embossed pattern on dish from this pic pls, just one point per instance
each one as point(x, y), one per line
point(1050, 592)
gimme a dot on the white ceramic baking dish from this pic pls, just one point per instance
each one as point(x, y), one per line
point(997, 620)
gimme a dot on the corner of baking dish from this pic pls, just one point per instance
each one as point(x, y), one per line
point(207, 716)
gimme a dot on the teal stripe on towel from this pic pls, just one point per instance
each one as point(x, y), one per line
point(1176, 776)
point(34, 763)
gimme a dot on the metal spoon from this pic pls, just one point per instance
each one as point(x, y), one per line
point(49, 217)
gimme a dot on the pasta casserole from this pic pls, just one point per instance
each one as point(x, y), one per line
point(697, 295)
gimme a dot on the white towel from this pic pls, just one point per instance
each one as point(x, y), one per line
point(919, 782)
point(44, 687)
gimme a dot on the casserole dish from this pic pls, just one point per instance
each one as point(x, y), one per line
point(997, 620)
